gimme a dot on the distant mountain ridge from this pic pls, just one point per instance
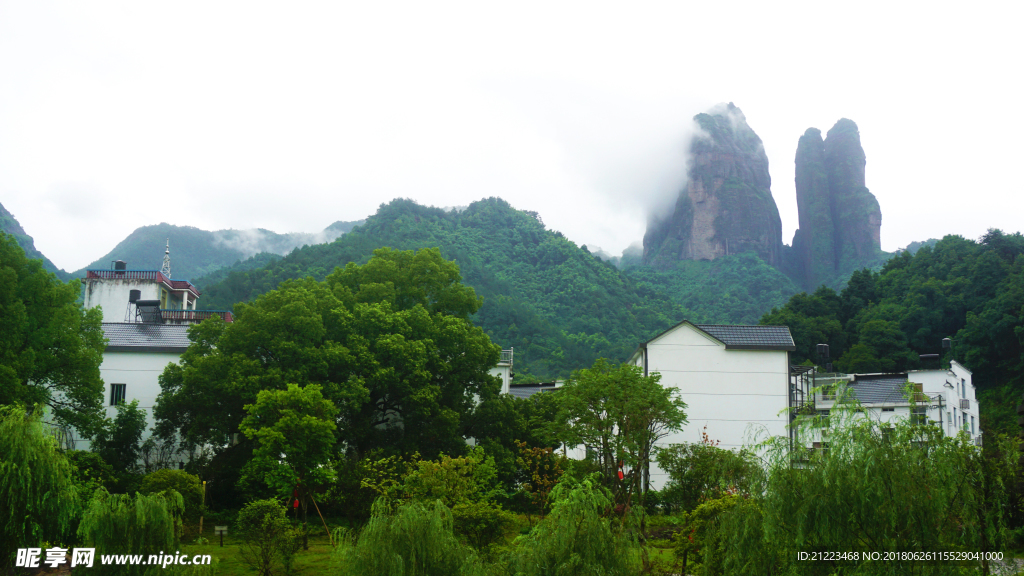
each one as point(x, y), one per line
point(10, 225)
point(555, 303)
point(196, 252)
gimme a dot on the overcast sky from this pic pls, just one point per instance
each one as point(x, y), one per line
point(292, 115)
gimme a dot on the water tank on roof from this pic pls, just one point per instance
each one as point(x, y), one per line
point(134, 295)
point(120, 265)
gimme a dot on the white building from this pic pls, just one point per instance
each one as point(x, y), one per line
point(146, 316)
point(942, 397)
point(503, 370)
point(735, 381)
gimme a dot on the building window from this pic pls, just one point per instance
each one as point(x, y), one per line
point(117, 392)
point(949, 418)
point(972, 425)
point(963, 386)
point(888, 409)
point(919, 415)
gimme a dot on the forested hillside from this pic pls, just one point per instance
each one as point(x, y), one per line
point(10, 225)
point(556, 304)
point(196, 252)
point(971, 292)
point(734, 289)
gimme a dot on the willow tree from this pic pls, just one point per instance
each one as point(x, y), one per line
point(119, 524)
point(578, 538)
point(416, 540)
point(37, 495)
point(878, 487)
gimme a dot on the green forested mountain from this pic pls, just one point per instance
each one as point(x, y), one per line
point(196, 252)
point(556, 304)
point(971, 292)
point(10, 225)
point(734, 289)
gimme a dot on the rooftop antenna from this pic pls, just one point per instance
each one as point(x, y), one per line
point(166, 269)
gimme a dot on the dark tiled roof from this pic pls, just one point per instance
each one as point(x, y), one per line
point(126, 337)
point(527, 390)
point(879, 389)
point(751, 337)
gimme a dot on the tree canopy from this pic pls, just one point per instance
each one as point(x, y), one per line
point(50, 347)
point(389, 344)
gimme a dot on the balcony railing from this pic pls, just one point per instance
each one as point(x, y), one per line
point(125, 275)
point(194, 315)
point(965, 404)
point(506, 357)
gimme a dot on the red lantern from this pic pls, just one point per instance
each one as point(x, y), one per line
point(295, 494)
point(621, 476)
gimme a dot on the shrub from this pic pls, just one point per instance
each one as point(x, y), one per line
point(139, 524)
point(188, 485)
point(266, 534)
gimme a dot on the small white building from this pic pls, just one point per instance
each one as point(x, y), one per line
point(735, 381)
point(941, 397)
point(504, 370)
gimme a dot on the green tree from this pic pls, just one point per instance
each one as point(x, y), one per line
point(295, 431)
point(619, 414)
point(389, 342)
point(188, 485)
point(131, 524)
point(417, 540)
point(265, 534)
point(119, 441)
point(50, 347)
point(578, 538)
point(37, 495)
point(703, 471)
point(893, 486)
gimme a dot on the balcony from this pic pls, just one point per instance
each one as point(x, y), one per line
point(125, 275)
point(194, 316)
point(965, 404)
point(506, 358)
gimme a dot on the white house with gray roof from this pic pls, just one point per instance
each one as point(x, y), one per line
point(735, 381)
point(943, 397)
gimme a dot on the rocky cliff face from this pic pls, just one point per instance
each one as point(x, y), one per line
point(840, 220)
point(726, 206)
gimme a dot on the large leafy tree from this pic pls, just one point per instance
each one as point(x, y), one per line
point(389, 343)
point(295, 430)
point(619, 414)
point(50, 347)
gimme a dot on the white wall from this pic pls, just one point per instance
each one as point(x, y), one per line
point(112, 295)
point(139, 371)
point(733, 393)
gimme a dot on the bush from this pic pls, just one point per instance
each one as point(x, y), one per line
point(418, 539)
point(266, 536)
point(481, 523)
point(139, 524)
point(188, 485)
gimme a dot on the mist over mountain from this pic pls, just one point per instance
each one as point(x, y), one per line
point(726, 206)
point(196, 252)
